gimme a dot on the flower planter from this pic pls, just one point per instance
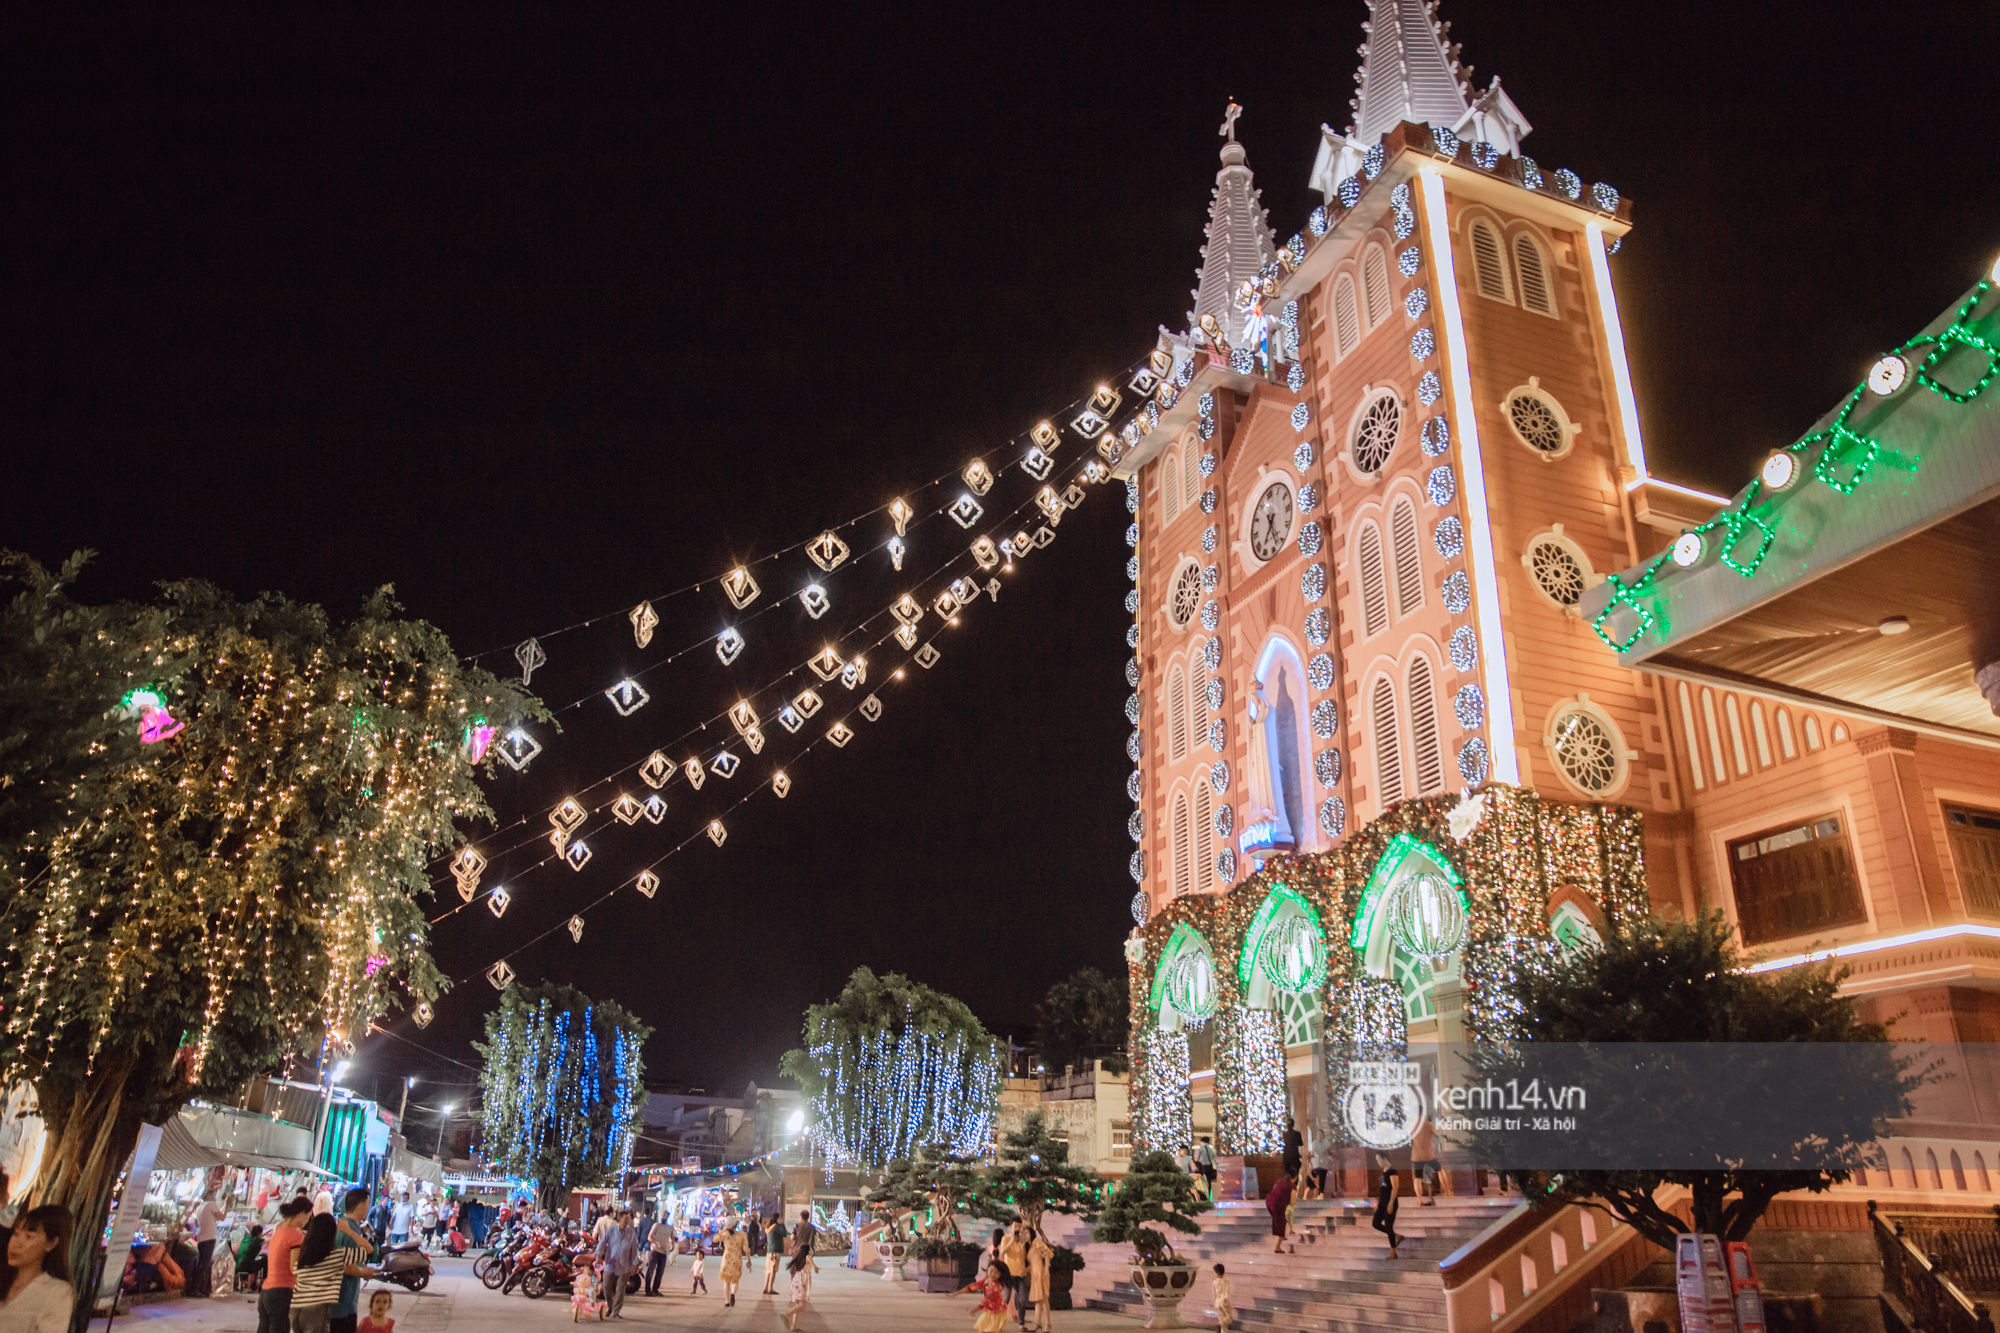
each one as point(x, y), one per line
point(895, 1253)
point(1059, 1285)
point(938, 1274)
point(1164, 1286)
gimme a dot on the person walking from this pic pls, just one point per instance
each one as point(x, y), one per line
point(401, 1215)
point(1014, 1253)
point(801, 1268)
point(202, 1223)
point(378, 1220)
point(700, 1284)
point(427, 1221)
point(1040, 1252)
point(1424, 1163)
point(1385, 1203)
point(1220, 1293)
point(1279, 1204)
point(1295, 1143)
point(734, 1246)
point(774, 1253)
point(618, 1251)
point(660, 1243)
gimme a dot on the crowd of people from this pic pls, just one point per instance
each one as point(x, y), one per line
point(625, 1243)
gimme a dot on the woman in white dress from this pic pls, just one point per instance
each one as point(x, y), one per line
point(38, 1297)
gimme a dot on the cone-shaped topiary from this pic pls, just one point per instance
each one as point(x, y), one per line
point(1154, 1190)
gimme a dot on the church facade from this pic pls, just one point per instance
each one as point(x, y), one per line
point(1396, 454)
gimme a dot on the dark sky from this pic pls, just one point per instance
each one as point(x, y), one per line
point(534, 317)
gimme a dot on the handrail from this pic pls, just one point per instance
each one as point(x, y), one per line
point(1934, 1300)
point(1464, 1263)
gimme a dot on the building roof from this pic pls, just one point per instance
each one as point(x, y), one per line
point(1240, 241)
point(1855, 571)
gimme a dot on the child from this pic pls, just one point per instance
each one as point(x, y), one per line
point(992, 1308)
point(699, 1285)
point(1225, 1313)
point(585, 1301)
point(378, 1320)
point(802, 1268)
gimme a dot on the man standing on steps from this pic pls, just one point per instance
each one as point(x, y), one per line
point(1424, 1164)
point(1204, 1162)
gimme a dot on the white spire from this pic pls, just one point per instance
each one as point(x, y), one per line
point(1240, 241)
point(1410, 72)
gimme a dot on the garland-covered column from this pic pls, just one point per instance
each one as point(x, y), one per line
point(1250, 1089)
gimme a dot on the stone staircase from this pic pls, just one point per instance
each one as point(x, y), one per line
point(1341, 1280)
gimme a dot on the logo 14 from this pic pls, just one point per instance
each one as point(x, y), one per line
point(1385, 1101)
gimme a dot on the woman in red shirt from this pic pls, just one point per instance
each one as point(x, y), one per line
point(274, 1302)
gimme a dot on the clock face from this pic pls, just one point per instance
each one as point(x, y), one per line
point(1271, 521)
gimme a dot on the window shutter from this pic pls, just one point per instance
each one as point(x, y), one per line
point(1191, 474)
point(1426, 754)
point(1488, 263)
point(1409, 557)
point(1204, 818)
point(1375, 279)
point(1374, 593)
point(1182, 880)
point(1535, 293)
point(1388, 752)
point(1346, 315)
point(1177, 718)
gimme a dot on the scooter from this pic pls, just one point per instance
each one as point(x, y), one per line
point(407, 1266)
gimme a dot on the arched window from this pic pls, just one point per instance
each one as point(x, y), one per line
point(1177, 718)
point(1735, 716)
point(1693, 745)
point(1388, 750)
point(1496, 1298)
point(1760, 734)
point(1786, 745)
point(1930, 1165)
point(1170, 487)
point(1409, 556)
point(1909, 1170)
point(1375, 284)
point(1374, 584)
point(1426, 755)
point(1812, 732)
point(1204, 823)
point(1536, 293)
point(1489, 263)
point(1716, 763)
point(1183, 871)
point(1979, 1165)
point(1957, 1171)
point(1190, 473)
point(1346, 316)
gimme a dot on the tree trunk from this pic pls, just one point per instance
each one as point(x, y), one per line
point(93, 1124)
point(1031, 1211)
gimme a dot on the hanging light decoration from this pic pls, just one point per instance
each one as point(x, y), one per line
point(1293, 956)
point(1427, 916)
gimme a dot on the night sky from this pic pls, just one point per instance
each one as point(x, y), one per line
point(534, 317)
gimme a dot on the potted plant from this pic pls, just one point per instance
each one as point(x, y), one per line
point(937, 1180)
point(1062, 1275)
point(1155, 1190)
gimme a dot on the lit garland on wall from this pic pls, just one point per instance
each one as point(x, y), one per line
point(1519, 853)
point(1741, 536)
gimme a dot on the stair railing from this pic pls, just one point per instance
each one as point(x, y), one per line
point(1918, 1280)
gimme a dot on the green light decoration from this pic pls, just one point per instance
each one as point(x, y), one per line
point(1847, 457)
point(1427, 916)
point(1377, 895)
point(1286, 946)
point(1185, 979)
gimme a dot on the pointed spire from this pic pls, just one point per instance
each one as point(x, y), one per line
point(1240, 240)
point(1410, 71)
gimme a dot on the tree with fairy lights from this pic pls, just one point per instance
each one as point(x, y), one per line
point(216, 822)
point(562, 1088)
point(891, 1065)
point(1685, 982)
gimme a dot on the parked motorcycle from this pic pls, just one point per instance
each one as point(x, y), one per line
point(407, 1266)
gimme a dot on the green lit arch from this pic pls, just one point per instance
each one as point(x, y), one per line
point(1388, 869)
point(1184, 939)
point(1260, 926)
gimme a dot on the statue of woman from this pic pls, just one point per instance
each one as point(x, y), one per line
point(1265, 812)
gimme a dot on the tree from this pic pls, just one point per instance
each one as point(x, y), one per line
point(891, 1065)
point(1084, 1017)
point(178, 915)
point(1032, 1174)
point(1154, 1190)
point(561, 1088)
point(1684, 982)
point(935, 1179)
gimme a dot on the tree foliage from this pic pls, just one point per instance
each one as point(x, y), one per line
point(1032, 1174)
point(1684, 981)
point(561, 1087)
point(1084, 1017)
point(892, 1065)
point(1154, 1190)
point(177, 916)
point(937, 1180)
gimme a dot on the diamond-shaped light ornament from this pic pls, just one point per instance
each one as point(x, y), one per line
point(1072, 496)
point(530, 655)
point(985, 553)
point(946, 605)
point(927, 656)
point(626, 810)
point(871, 708)
point(716, 833)
point(789, 719)
point(840, 734)
point(978, 476)
point(518, 749)
point(496, 902)
point(907, 609)
point(696, 774)
point(965, 511)
point(644, 621)
point(854, 673)
point(1037, 464)
point(499, 975)
point(815, 600)
point(1043, 536)
point(576, 929)
point(827, 551)
point(724, 765)
point(964, 591)
point(655, 809)
point(900, 514)
point(1050, 503)
point(739, 587)
point(647, 884)
point(627, 697)
point(568, 815)
point(656, 770)
point(742, 716)
point(907, 636)
point(781, 784)
point(993, 589)
point(577, 854)
point(806, 702)
point(896, 552)
point(728, 644)
point(826, 664)
point(754, 738)
point(1046, 436)
point(422, 1014)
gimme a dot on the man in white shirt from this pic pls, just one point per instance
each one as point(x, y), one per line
point(206, 1214)
point(660, 1240)
point(400, 1218)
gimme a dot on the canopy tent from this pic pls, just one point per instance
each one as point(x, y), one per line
point(404, 1162)
point(223, 1136)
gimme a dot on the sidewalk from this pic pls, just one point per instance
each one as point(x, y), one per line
point(844, 1301)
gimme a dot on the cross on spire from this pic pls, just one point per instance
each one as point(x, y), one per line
point(1228, 130)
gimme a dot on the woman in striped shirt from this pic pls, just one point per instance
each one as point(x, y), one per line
point(319, 1268)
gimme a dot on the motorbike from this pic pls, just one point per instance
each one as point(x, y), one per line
point(407, 1266)
point(523, 1260)
point(491, 1267)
